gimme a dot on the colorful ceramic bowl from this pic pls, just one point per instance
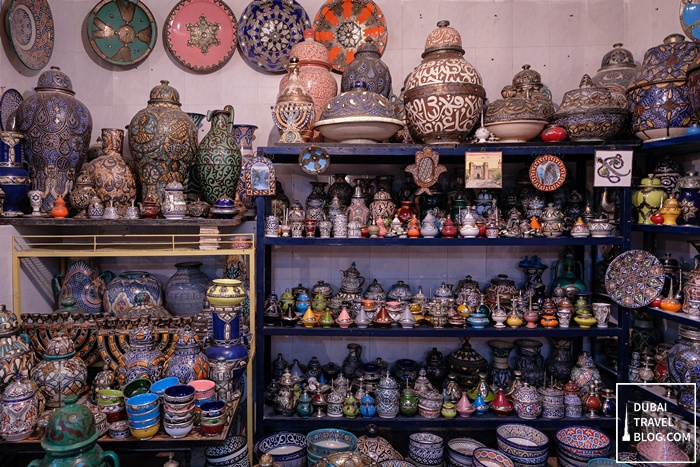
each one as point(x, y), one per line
point(663, 452)
point(212, 420)
point(136, 387)
point(161, 385)
point(178, 419)
point(583, 441)
point(604, 462)
point(326, 441)
point(565, 461)
point(519, 440)
point(213, 409)
point(485, 457)
point(179, 394)
point(286, 449)
point(142, 403)
point(460, 451)
point(178, 408)
point(144, 423)
point(109, 397)
point(119, 430)
point(212, 430)
point(233, 448)
point(145, 433)
point(203, 388)
point(178, 430)
point(119, 413)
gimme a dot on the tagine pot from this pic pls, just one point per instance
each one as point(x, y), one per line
point(61, 373)
point(16, 354)
point(444, 94)
point(467, 363)
point(57, 129)
point(71, 440)
point(162, 140)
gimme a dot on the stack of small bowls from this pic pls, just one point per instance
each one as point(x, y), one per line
point(460, 451)
point(111, 403)
point(486, 457)
point(526, 446)
point(426, 449)
point(576, 445)
point(212, 417)
point(178, 410)
point(143, 412)
point(203, 393)
point(326, 441)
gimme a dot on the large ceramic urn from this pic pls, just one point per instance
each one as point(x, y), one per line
point(16, 355)
point(61, 373)
point(143, 359)
point(121, 292)
point(188, 362)
point(684, 365)
point(617, 69)
point(162, 140)
point(443, 95)
point(71, 439)
point(659, 96)
point(22, 404)
point(83, 281)
point(57, 129)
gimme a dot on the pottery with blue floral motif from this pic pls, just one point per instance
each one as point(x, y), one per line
point(83, 281)
point(684, 365)
point(187, 362)
point(121, 292)
point(387, 397)
point(143, 359)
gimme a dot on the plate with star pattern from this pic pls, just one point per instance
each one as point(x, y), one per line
point(201, 34)
point(634, 279)
point(267, 31)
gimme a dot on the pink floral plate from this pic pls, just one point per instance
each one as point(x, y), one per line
point(201, 34)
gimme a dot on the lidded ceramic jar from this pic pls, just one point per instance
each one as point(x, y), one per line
point(648, 198)
point(591, 113)
point(22, 404)
point(57, 129)
point(367, 67)
point(689, 198)
point(466, 363)
point(143, 359)
point(81, 194)
point(382, 206)
point(71, 436)
point(617, 70)
point(585, 372)
point(502, 286)
point(444, 94)
point(684, 364)
point(16, 354)
point(523, 111)
point(162, 140)
point(61, 373)
point(387, 397)
point(187, 362)
point(658, 96)
point(400, 292)
point(374, 446)
point(527, 402)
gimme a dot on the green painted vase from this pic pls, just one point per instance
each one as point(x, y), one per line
point(218, 160)
point(71, 439)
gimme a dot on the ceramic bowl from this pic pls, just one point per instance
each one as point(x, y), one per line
point(486, 457)
point(145, 433)
point(363, 129)
point(179, 394)
point(460, 451)
point(200, 402)
point(234, 447)
point(212, 430)
point(286, 449)
point(109, 397)
point(212, 420)
point(115, 415)
point(119, 430)
point(604, 462)
point(583, 441)
point(144, 423)
point(426, 448)
point(142, 403)
point(565, 461)
point(177, 417)
point(179, 430)
point(136, 387)
point(178, 408)
point(139, 417)
point(161, 385)
point(516, 131)
point(329, 440)
point(522, 437)
point(661, 451)
point(213, 409)
point(203, 388)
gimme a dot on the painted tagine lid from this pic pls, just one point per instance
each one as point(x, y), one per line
point(618, 57)
point(164, 94)
point(187, 340)
point(443, 38)
point(60, 347)
point(667, 62)
point(358, 102)
point(70, 428)
point(522, 100)
point(591, 99)
point(311, 52)
point(8, 322)
point(142, 336)
point(18, 390)
point(690, 181)
point(54, 80)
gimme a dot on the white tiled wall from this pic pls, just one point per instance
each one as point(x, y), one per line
point(562, 39)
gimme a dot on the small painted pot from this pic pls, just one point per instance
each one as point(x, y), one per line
point(226, 292)
point(119, 430)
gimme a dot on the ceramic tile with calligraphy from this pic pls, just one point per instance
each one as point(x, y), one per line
point(613, 168)
point(483, 170)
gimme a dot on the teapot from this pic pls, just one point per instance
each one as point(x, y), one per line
point(351, 281)
point(149, 208)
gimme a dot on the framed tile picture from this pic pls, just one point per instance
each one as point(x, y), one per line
point(483, 170)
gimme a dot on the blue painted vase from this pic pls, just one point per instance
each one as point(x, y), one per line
point(143, 359)
point(188, 362)
point(228, 358)
point(684, 366)
point(57, 129)
point(688, 199)
point(84, 282)
point(14, 178)
point(121, 292)
point(186, 290)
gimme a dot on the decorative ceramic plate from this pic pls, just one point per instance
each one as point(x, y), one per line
point(634, 278)
point(30, 27)
point(9, 102)
point(342, 25)
point(268, 30)
point(121, 32)
point(314, 160)
point(547, 173)
point(201, 34)
point(690, 18)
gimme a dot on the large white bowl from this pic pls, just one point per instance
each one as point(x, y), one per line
point(358, 129)
point(516, 131)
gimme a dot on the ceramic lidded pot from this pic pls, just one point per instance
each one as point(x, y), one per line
point(143, 359)
point(648, 198)
point(444, 94)
point(683, 364)
point(658, 96)
point(591, 113)
point(374, 446)
point(16, 355)
point(121, 292)
point(368, 67)
point(466, 363)
point(61, 373)
point(689, 198)
point(382, 207)
point(81, 193)
point(617, 69)
point(187, 362)
point(523, 111)
point(162, 140)
point(22, 404)
point(71, 436)
point(57, 129)
point(527, 402)
point(112, 176)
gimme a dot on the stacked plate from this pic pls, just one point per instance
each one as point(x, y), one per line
point(143, 413)
point(327, 441)
point(233, 452)
point(178, 410)
point(486, 457)
point(286, 449)
point(526, 446)
point(576, 445)
point(460, 451)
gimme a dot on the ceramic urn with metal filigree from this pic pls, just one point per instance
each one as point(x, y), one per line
point(523, 111)
point(143, 359)
point(617, 70)
point(294, 113)
point(61, 373)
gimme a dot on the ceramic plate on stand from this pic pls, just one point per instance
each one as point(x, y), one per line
point(121, 32)
point(342, 25)
point(634, 279)
point(201, 34)
point(30, 27)
point(268, 30)
point(9, 102)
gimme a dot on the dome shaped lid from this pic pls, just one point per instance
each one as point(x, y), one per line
point(442, 39)
point(174, 185)
point(20, 389)
point(691, 180)
point(589, 98)
point(9, 324)
point(311, 52)
point(527, 77)
point(650, 180)
point(668, 62)
point(70, 428)
point(368, 47)
point(142, 336)
point(188, 339)
point(387, 382)
point(54, 79)
point(83, 179)
point(358, 102)
point(618, 57)
point(164, 94)
point(60, 346)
